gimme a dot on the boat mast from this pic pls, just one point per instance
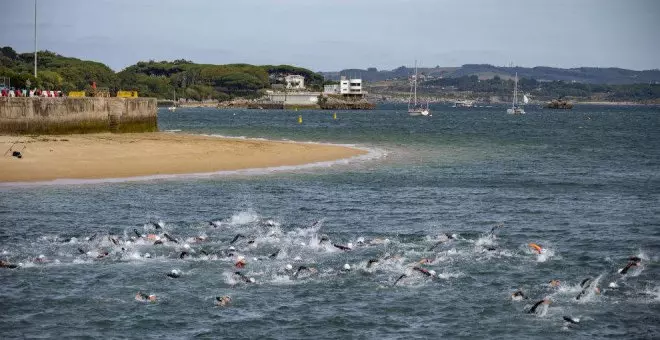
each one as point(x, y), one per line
point(415, 83)
point(515, 92)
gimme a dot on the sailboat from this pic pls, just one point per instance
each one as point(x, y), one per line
point(515, 109)
point(416, 109)
point(173, 107)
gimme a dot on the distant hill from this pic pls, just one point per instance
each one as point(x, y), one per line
point(373, 74)
point(588, 75)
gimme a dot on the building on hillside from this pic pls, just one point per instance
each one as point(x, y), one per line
point(294, 81)
point(346, 87)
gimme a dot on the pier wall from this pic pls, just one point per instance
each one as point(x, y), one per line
point(38, 115)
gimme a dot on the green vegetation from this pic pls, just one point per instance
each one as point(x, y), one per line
point(151, 79)
point(55, 72)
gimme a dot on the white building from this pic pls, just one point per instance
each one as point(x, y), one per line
point(350, 86)
point(345, 87)
point(295, 81)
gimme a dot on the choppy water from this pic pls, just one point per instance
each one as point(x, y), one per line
point(584, 184)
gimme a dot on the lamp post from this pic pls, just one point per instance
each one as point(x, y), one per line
point(35, 38)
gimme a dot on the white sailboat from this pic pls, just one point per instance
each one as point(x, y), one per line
point(416, 109)
point(173, 107)
point(515, 109)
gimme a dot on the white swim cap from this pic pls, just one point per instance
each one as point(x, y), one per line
point(186, 246)
point(613, 285)
point(42, 256)
point(350, 245)
point(289, 267)
point(176, 271)
point(347, 267)
point(360, 240)
point(157, 238)
point(297, 258)
point(241, 258)
point(252, 280)
point(147, 255)
point(232, 248)
point(432, 272)
point(303, 244)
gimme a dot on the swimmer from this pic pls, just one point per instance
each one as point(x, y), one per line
point(175, 274)
point(170, 238)
point(345, 248)
point(518, 295)
point(222, 301)
point(245, 278)
point(630, 264)
point(236, 238)
point(545, 301)
point(41, 258)
point(571, 320)
point(399, 279)
point(586, 289)
point(142, 297)
point(274, 255)
point(429, 273)
point(536, 248)
point(347, 267)
point(214, 224)
point(6, 264)
point(183, 254)
point(311, 270)
point(425, 261)
point(494, 229)
point(443, 238)
point(371, 262)
point(241, 262)
point(554, 283)
point(360, 241)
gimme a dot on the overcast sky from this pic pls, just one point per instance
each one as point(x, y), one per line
point(328, 35)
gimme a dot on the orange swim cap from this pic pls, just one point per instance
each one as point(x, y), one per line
point(536, 247)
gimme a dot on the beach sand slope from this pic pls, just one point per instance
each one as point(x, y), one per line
point(97, 156)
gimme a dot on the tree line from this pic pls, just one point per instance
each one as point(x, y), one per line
point(159, 79)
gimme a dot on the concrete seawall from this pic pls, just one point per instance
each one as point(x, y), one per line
point(38, 115)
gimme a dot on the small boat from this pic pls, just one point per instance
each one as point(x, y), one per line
point(463, 103)
point(416, 109)
point(173, 107)
point(515, 109)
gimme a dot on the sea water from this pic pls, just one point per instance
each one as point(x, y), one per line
point(584, 184)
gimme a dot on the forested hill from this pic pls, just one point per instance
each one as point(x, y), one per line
point(150, 78)
point(587, 75)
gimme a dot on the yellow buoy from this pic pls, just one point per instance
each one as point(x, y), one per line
point(334, 115)
point(300, 119)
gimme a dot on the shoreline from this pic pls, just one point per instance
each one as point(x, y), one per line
point(129, 157)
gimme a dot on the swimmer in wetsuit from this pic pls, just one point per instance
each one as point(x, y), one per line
point(545, 301)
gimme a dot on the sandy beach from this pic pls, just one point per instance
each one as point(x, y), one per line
point(96, 156)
